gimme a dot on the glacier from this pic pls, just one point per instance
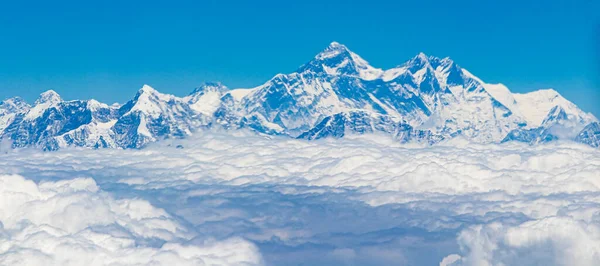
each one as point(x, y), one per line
point(424, 100)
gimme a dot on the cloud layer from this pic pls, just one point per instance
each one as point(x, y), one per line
point(72, 222)
point(238, 197)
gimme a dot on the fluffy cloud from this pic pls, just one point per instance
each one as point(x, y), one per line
point(72, 222)
point(356, 201)
point(548, 241)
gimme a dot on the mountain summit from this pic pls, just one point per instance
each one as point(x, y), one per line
point(425, 99)
point(337, 59)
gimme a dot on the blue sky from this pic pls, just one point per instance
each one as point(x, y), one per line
point(107, 50)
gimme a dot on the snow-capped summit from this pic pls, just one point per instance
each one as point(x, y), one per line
point(420, 61)
point(45, 101)
point(337, 59)
point(49, 96)
point(150, 116)
point(149, 101)
point(206, 99)
point(536, 105)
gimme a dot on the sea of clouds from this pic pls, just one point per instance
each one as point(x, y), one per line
point(241, 199)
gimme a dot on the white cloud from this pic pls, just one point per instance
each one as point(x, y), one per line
point(548, 241)
point(72, 222)
point(327, 202)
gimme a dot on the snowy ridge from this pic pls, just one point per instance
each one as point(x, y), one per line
point(426, 99)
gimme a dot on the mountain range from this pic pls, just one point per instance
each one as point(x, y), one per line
point(426, 99)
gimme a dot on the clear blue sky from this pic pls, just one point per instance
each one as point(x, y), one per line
point(108, 49)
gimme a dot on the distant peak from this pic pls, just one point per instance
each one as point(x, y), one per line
point(146, 92)
point(49, 96)
point(147, 89)
point(422, 57)
point(337, 59)
point(49, 93)
point(94, 104)
point(14, 104)
point(210, 85)
point(333, 50)
point(336, 45)
point(13, 100)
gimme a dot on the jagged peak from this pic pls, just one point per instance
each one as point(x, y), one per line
point(337, 59)
point(334, 49)
point(417, 63)
point(422, 60)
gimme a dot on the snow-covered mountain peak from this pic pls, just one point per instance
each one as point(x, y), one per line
point(96, 105)
point(417, 63)
point(336, 44)
point(536, 105)
point(46, 100)
point(206, 99)
point(149, 101)
point(421, 60)
point(48, 97)
point(147, 89)
point(337, 59)
point(147, 93)
point(445, 70)
point(334, 49)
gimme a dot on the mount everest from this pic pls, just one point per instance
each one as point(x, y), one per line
point(426, 99)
